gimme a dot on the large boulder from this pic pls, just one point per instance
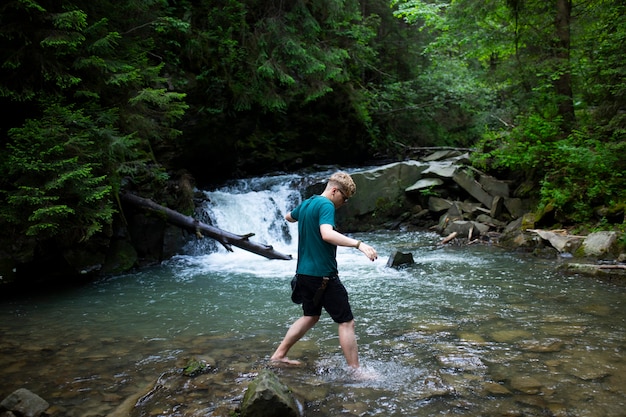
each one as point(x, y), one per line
point(473, 187)
point(424, 184)
point(559, 240)
point(385, 184)
point(600, 244)
point(266, 396)
point(466, 229)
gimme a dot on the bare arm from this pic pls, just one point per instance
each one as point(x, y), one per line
point(330, 235)
point(289, 218)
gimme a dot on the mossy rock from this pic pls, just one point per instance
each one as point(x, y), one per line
point(267, 396)
point(196, 367)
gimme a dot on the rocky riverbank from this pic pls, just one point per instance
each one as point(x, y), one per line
point(442, 192)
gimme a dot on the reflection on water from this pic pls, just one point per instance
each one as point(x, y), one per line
point(469, 331)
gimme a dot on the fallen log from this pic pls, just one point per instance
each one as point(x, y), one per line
point(192, 225)
point(612, 266)
point(448, 238)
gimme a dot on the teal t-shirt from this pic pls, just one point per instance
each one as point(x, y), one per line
point(315, 257)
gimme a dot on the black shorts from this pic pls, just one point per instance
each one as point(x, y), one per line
point(334, 301)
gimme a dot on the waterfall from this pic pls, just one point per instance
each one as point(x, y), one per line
point(257, 206)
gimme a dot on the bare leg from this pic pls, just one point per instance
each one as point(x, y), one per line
point(295, 332)
point(347, 340)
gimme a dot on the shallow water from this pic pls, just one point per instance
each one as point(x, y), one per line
point(467, 330)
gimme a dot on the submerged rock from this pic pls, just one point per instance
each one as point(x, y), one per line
point(526, 384)
point(196, 367)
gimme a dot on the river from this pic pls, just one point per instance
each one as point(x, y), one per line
point(468, 330)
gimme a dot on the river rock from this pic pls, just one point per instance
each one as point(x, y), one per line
point(586, 269)
point(437, 204)
point(526, 384)
point(443, 170)
point(434, 387)
point(497, 206)
point(463, 360)
point(516, 207)
point(559, 240)
point(510, 336)
point(473, 187)
point(472, 338)
point(541, 346)
point(381, 184)
point(424, 183)
point(24, 403)
point(493, 388)
point(488, 220)
point(400, 258)
point(599, 243)
point(444, 154)
point(465, 228)
point(494, 186)
point(122, 256)
point(195, 367)
point(267, 396)
point(589, 372)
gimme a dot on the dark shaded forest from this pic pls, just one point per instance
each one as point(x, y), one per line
point(157, 97)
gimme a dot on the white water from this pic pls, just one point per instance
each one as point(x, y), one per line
point(441, 335)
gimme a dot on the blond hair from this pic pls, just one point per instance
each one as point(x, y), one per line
point(343, 181)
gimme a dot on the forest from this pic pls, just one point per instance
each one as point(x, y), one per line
point(161, 96)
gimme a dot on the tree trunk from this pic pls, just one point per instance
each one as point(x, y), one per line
point(563, 84)
point(194, 226)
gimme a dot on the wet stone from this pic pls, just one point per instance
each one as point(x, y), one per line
point(509, 336)
point(195, 367)
point(493, 388)
point(267, 396)
point(526, 384)
point(541, 346)
point(435, 327)
point(534, 401)
point(472, 338)
point(600, 310)
point(435, 387)
point(558, 410)
point(24, 403)
point(553, 363)
point(460, 360)
point(589, 372)
point(563, 330)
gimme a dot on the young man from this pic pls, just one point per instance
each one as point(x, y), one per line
point(317, 268)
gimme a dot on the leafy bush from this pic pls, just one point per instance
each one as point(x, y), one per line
point(575, 174)
point(55, 179)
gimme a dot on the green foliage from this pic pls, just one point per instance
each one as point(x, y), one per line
point(429, 192)
point(530, 69)
point(103, 94)
point(54, 168)
point(420, 12)
point(100, 113)
point(585, 173)
point(575, 173)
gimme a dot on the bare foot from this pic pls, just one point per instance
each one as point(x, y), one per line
point(286, 361)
